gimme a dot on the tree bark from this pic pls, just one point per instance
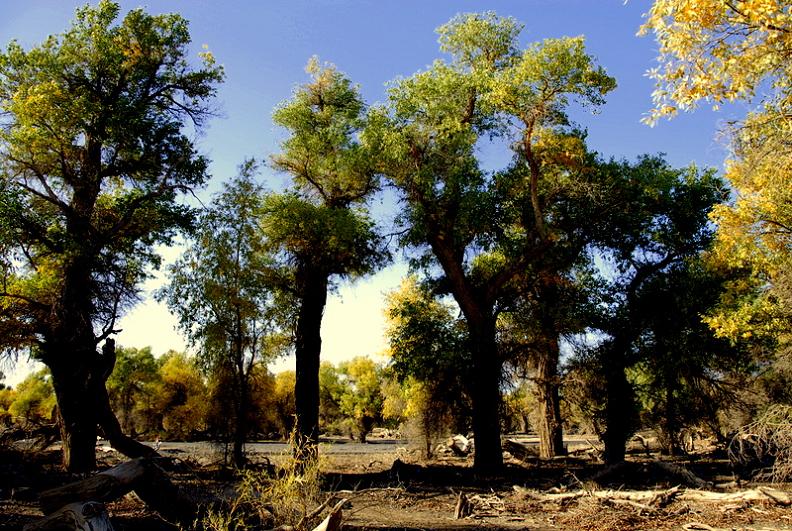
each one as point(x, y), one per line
point(488, 457)
point(618, 408)
point(313, 294)
point(551, 436)
point(74, 391)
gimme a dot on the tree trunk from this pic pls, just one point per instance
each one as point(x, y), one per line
point(618, 408)
point(77, 412)
point(313, 294)
point(671, 424)
point(551, 435)
point(488, 458)
point(240, 435)
point(83, 405)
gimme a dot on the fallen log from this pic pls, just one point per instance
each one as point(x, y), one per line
point(520, 451)
point(140, 475)
point(628, 472)
point(334, 519)
point(90, 516)
point(660, 499)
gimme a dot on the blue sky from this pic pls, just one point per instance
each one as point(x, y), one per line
point(264, 46)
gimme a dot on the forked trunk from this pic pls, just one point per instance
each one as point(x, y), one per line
point(84, 406)
point(551, 436)
point(313, 292)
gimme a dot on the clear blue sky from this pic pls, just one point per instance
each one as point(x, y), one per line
point(264, 46)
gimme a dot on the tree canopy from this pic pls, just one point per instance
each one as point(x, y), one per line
point(94, 152)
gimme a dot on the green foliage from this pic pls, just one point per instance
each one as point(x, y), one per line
point(94, 156)
point(336, 241)
point(330, 390)
point(361, 396)
point(430, 359)
point(426, 340)
point(220, 288)
point(7, 396)
point(682, 368)
point(314, 225)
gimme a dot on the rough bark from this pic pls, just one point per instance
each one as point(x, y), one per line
point(84, 406)
point(312, 285)
point(618, 409)
point(551, 436)
point(77, 415)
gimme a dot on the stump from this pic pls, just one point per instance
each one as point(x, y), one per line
point(89, 516)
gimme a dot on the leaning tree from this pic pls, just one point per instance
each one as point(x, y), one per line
point(94, 152)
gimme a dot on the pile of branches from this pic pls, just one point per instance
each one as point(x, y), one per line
point(763, 448)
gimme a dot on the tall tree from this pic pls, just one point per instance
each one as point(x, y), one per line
point(482, 230)
point(682, 364)
point(223, 296)
point(93, 155)
point(662, 223)
point(320, 228)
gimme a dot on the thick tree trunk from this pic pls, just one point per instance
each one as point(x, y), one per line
point(313, 292)
point(488, 458)
point(74, 391)
point(551, 436)
point(618, 408)
point(84, 405)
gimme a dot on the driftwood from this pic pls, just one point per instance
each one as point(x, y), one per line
point(140, 475)
point(334, 519)
point(90, 516)
point(463, 506)
point(650, 499)
point(460, 445)
point(332, 522)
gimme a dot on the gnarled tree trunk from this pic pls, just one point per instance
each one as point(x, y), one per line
point(551, 435)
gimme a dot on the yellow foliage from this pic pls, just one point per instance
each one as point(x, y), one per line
point(718, 51)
